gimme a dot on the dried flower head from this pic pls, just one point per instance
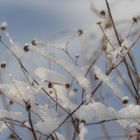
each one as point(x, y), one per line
point(50, 85)
point(102, 13)
point(34, 42)
point(135, 19)
point(10, 102)
point(125, 100)
point(95, 77)
point(3, 65)
point(26, 48)
point(80, 32)
point(3, 26)
point(67, 85)
point(28, 106)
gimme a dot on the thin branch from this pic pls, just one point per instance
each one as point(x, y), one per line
point(13, 132)
point(113, 24)
point(28, 107)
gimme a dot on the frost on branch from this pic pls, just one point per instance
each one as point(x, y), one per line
point(11, 115)
point(51, 45)
point(60, 136)
point(2, 126)
point(106, 79)
point(50, 75)
point(127, 117)
point(50, 119)
point(18, 91)
point(48, 126)
point(130, 116)
point(8, 115)
point(62, 97)
point(120, 51)
point(83, 131)
point(17, 51)
point(96, 111)
point(47, 98)
point(72, 69)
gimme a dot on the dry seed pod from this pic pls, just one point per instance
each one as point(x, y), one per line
point(125, 100)
point(34, 42)
point(3, 65)
point(102, 13)
point(26, 48)
point(3, 26)
point(50, 85)
point(67, 85)
point(80, 32)
point(135, 19)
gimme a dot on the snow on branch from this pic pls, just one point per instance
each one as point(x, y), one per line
point(107, 80)
point(72, 69)
point(50, 75)
point(18, 91)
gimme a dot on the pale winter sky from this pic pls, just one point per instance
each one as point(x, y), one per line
point(40, 18)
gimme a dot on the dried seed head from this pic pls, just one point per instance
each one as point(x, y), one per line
point(135, 19)
point(80, 32)
point(3, 65)
point(10, 102)
point(99, 22)
point(34, 42)
point(3, 26)
point(95, 77)
point(67, 85)
point(125, 100)
point(83, 121)
point(102, 13)
point(50, 85)
point(28, 106)
point(26, 48)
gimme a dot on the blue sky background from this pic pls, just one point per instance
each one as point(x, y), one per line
point(40, 18)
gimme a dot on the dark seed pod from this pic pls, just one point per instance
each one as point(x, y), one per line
point(75, 89)
point(67, 85)
point(95, 77)
point(10, 102)
point(3, 26)
point(34, 42)
point(80, 32)
point(3, 65)
point(102, 13)
point(125, 100)
point(28, 106)
point(135, 20)
point(50, 85)
point(83, 121)
point(26, 48)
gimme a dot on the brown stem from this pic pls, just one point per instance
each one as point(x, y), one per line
point(113, 24)
point(28, 107)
